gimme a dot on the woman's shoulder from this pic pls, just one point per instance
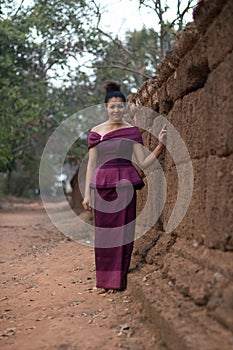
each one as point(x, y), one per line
point(98, 127)
point(103, 127)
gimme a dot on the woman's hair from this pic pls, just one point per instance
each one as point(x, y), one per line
point(113, 90)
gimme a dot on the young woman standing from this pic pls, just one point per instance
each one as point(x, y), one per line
point(115, 181)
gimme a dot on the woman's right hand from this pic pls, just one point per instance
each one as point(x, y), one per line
point(86, 203)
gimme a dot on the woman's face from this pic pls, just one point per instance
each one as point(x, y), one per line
point(115, 108)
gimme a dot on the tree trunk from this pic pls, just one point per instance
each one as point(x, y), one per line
point(8, 182)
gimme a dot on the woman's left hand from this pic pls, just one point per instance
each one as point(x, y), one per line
point(163, 135)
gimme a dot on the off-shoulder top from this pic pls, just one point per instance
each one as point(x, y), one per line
point(114, 153)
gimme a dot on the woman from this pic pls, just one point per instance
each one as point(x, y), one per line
point(115, 181)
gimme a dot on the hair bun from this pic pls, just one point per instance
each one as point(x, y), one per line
point(111, 86)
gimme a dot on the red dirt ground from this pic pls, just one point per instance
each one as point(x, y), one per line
point(48, 298)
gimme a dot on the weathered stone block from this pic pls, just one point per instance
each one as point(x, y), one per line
point(143, 244)
point(171, 194)
point(219, 109)
point(185, 40)
point(181, 265)
point(221, 307)
point(146, 96)
point(218, 37)
point(167, 66)
point(142, 196)
point(193, 222)
point(140, 117)
point(175, 115)
point(193, 281)
point(151, 200)
point(205, 12)
point(190, 75)
point(177, 145)
point(193, 125)
point(219, 202)
point(165, 101)
point(204, 118)
point(158, 252)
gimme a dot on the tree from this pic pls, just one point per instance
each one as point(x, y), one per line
point(141, 51)
point(36, 43)
point(39, 89)
point(134, 58)
point(167, 28)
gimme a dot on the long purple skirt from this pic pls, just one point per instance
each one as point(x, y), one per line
point(114, 236)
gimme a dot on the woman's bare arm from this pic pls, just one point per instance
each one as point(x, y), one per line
point(91, 165)
point(145, 161)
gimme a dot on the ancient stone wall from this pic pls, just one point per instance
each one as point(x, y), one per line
point(187, 275)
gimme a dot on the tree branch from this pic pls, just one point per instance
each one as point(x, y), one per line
point(18, 9)
point(180, 15)
point(116, 42)
point(98, 13)
point(21, 147)
point(123, 68)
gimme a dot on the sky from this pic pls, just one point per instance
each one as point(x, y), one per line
point(120, 16)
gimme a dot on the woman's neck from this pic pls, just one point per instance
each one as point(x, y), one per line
point(115, 124)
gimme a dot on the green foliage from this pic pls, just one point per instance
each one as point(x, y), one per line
point(34, 41)
point(12, 99)
point(37, 43)
point(2, 187)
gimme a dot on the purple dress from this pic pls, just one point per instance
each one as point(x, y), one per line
point(114, 182)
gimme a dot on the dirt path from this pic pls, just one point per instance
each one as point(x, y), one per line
point(47, 294)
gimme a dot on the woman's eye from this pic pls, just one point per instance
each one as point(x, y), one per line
point(116, 106)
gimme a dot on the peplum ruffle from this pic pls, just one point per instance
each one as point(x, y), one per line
point(115, 176)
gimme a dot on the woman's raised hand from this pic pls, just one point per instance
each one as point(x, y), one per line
point(163, 135)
